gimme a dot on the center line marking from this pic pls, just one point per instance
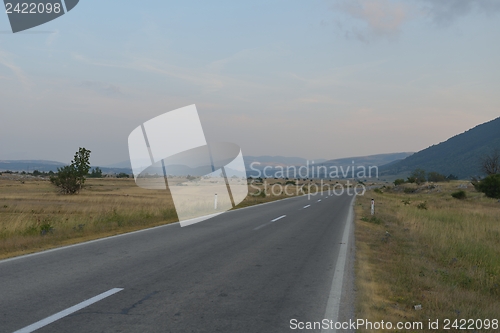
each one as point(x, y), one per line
point(319, 200)
point(265, 224)
point(307, 206)
point(67, 312)
point(278, 218)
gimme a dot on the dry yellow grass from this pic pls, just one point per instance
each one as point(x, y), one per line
point(445, 258)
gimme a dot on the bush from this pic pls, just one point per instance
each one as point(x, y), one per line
point(459, 195)
point(422, 205)
point(399, 182)
point(124, 175)
point(66, 179)
point(408, 190)
point(490, 186)
point(290, 182)
point(377, 190)
point(436, 177)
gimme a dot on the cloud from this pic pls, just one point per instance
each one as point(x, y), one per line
point(444, 13)
point(16, 70)
point(369, 19)
point(377, 17)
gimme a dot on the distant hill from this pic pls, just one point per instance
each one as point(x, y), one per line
point(29, 165)
point(46, 166)
point(371, 160)
point(459, 155)
point(275, 164)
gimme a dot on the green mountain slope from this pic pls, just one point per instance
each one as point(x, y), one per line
point(459, 155)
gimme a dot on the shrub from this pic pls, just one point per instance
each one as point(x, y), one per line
point(124, 175)
point(290, 182)
point(66, 179)
point(377, 190)
point(490, 186)
point(422, 205)
point(399, 182)
point(409, 190)
point(436, 177)
point(459, 195)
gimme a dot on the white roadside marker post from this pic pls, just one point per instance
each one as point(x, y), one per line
point(373, 207)
point(215, 201)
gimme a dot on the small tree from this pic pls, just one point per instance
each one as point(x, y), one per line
point(418, 175)
point(71, 178)
point(81, 164)
point(490, 164)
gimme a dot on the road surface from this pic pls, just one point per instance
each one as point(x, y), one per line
point(248, 270)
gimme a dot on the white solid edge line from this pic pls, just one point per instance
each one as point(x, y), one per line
point(333, 305)
point(68, 311)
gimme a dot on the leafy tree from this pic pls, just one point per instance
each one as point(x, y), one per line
point(489, 186)
point(71, 178)
point(452, 177)
point(81, 164)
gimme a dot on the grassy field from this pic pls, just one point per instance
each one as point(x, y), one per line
point(427, 248)
point(35, 216)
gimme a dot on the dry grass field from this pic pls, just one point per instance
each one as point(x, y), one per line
point(35, 216)
point(427, 248)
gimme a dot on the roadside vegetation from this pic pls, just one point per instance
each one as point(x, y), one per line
point(429, 246)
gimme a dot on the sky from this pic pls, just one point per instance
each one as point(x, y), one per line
point(314, 79)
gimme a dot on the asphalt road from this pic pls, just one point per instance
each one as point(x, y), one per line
point(237, 272)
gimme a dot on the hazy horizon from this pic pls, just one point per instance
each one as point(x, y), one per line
point(322, 79)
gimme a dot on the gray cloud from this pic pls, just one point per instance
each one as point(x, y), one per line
point(385, 18)
point(445, 12)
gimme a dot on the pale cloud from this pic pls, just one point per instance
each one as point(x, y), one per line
point(377, 17)
point(5, 60)
point(382, 16)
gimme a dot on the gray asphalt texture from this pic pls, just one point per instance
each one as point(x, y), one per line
point(219, 275)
